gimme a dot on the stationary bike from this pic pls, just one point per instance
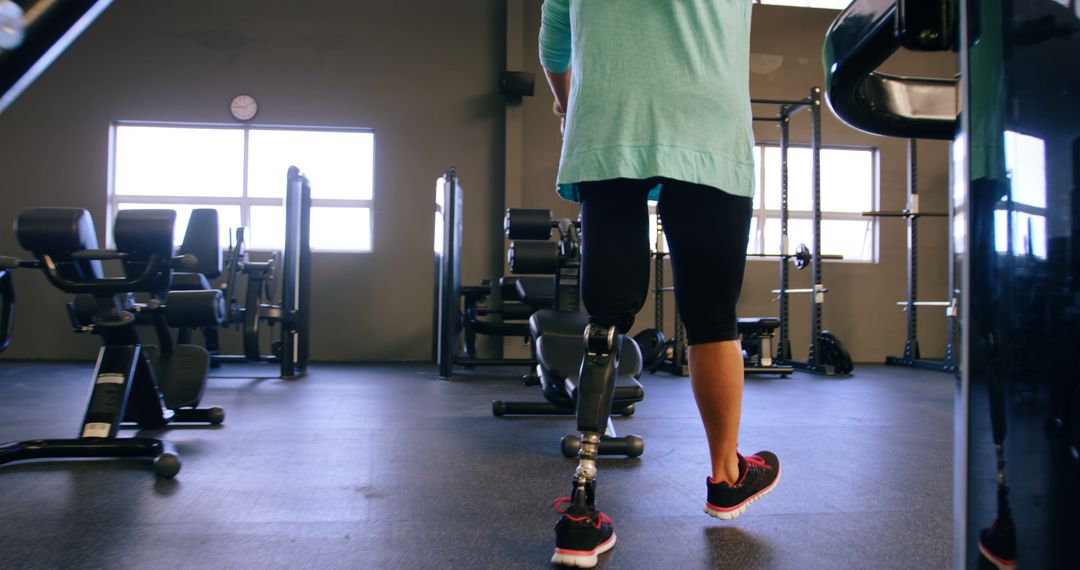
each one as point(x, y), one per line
point(128, 385)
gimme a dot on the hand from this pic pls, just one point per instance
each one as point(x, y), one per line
point(560, 112)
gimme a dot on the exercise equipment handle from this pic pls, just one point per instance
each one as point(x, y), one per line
point(861, 38)
point(16, 263)
point(107, 285)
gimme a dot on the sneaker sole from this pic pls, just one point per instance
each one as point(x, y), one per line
point(997, 561)
point(582, 558)
point(734, 512)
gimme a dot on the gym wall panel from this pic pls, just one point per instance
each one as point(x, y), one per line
point(421, 73)
point(861, 305)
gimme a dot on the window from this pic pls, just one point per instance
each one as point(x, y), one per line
point(240, 171)
point(827, 4)
point(1022, 213)
point(848, 188)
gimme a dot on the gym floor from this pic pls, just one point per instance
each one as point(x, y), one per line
point(384, 466)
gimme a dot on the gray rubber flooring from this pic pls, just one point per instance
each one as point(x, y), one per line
point(384, 466)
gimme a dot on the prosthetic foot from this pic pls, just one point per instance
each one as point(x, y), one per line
point(583, 533)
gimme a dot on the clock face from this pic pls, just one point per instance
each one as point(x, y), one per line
point(243, 107)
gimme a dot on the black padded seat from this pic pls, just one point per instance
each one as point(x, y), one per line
point(201, 240)
point(758, 324)
point(501, 329)
point(562, 356)
point(537, 291)
point(558, 323)
point(186, 281)
point(59, 232)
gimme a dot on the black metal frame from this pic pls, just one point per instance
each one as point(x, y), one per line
point(448, 315)
point(677, 363)
point(7, 308)
point(911, 357)
point(787, 110)
point(293, 309)
point(125, 388)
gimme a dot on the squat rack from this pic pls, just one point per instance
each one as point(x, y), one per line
point(788, 109)
point(912, 213)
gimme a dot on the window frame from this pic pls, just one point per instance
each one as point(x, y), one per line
point(244, 201)
point(761, 214)
point(756, 243)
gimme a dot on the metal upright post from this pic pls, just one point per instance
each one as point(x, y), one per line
point(784, 351)
point(818, 295)
point(658, 293)
point(911, 347)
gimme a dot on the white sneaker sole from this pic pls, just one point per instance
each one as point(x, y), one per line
point(734, 512)
point(581, 558)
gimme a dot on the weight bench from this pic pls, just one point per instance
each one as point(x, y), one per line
point(756, 334)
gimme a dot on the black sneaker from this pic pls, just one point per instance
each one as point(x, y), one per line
point(581, 537)
point(998, 544)
point(759, 473)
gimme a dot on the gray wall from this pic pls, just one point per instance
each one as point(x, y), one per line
point(860, 306)
point(422, 74)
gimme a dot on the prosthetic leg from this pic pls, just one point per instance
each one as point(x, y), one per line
point(596, 389)
point(583, 532)
point(998, 542)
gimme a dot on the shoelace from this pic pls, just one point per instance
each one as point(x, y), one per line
point(601, 518)
point(755, 460)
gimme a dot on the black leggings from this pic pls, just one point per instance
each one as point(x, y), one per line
point(707, 232)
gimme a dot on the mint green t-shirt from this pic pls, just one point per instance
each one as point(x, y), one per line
point(658, 88)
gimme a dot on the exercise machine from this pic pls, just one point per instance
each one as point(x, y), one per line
point(131, 383)
point(1012, 120)
point(462, 312)
point(277, 292)
point(563, 339)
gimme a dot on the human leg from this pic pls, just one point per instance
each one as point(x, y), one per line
point(707, 232)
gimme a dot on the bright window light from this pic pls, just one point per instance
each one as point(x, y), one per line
point(758, 190)
point(338, 163)
point(852, 239)
point(182, 167)
point(1025, 207)
point(174, 161)
point(799, 161)
point(1025, 161)
point(800, 231)
point(848, 188)
point(347, 229)
point(847, 180)
point(267, 228)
